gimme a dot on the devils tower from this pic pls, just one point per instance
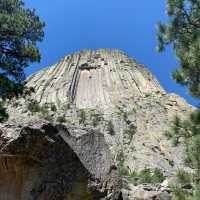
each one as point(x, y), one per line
point(87, 123)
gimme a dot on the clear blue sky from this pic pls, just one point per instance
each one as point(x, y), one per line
point(129, 25)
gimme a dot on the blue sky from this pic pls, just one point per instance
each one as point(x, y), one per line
point(129, 25)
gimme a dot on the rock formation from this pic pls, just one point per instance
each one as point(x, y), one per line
point(45, 161)
point(84, 126)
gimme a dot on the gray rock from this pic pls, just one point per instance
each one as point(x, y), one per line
point(46, 161)
point(115, 111)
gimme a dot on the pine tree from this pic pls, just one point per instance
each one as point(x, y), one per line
point(182, 31)
point(20, 30)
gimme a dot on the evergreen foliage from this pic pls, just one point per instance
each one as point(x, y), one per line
point(3, 114)
point(151, 176)
point(110, 128)
point(61, 119)
point(82, 116)
point(183, 32)
point(20, 30)
point(43, 111)
point(147, 176)
point(188, 131)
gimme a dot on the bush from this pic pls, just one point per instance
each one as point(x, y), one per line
point(189, 133)
point(34, 107)
point(180, 194)
point(110, 128)
point(53, 107)
point(158, 176)
point(61, 119)
point(43, 111)
point(122, 170)
point(129, 132)
point(96, 118)
point(183, 177)
point(82, 116)
point(3, 114)
point(146, 176)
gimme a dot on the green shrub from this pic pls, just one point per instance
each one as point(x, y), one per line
point(148, 94)
point(61, 119)
point(146, 176)
point(3, 114)
point(96, 118)
point(43, 111)
point(180, 193)
point(120, 156)
point(34, 107)
point(122, 170)
point(82, 116)
point(110, 128)
point(130, 132)
point(53, 107)
point(158, 176)
point(183, 177)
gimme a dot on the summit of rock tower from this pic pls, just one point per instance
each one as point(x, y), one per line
point(90, 79)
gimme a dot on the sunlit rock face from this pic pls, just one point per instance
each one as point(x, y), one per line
point(92, 79)
point(110, 84)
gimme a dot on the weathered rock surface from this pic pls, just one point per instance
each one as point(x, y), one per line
point(91, 79)
point(116, 113)
point(45, 161)
point(114, 86)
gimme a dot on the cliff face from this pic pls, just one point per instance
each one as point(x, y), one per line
point(114, 117)
point(44, 161)
point(91, 79)
point(110, 86)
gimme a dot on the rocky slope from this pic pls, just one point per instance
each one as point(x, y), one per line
point(114, 117)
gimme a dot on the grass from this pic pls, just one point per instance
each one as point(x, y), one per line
point(183, 177)
point(146, 176)
point(140, 177)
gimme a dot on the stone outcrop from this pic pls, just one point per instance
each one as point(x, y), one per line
point(91, 79)
point(114, 117)
point(45, 161)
